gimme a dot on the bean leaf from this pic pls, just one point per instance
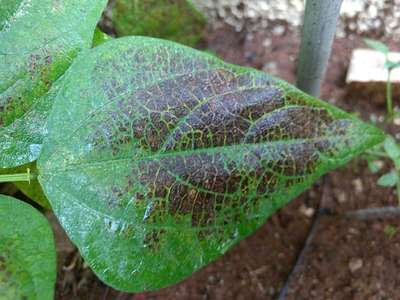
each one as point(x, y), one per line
point(27, 253)
point(389, 179)
point(38, 41)
point(391, 148)
point(160, 158)
point(377, 45)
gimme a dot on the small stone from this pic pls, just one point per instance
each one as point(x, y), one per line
point(307, 211)
point(278, 30)
point(271, 68)
point(355, 264)
point(341, 197)
point(354, 231)
point(379, 163)
point(267, 43)
point(379, 260)
point(396, 121)
point(358, 185)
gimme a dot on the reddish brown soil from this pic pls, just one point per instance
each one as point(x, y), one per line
point(340, 245)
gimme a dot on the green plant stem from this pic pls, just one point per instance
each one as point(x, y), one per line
point(398, 192)
point(389, 95)
point(27, 177)
point(377, 153)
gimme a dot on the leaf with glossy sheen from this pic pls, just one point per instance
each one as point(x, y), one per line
point(38, 41)
point(160, 158)
point(27, 253)
point(176, 20)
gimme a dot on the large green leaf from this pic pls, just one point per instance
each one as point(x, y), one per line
point(176, 20)
point(159, 157)
point(38, 41)
point(27, 253)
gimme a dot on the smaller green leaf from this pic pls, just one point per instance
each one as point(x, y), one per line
point(392, 64)
point(374, 166)
point(377, 45)
point(389, 179)
point(392, 148)
point(390, 230)
point(27, 253)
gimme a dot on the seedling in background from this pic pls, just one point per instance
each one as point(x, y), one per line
point(390, 230)
point(388, 150)
point(390, 66)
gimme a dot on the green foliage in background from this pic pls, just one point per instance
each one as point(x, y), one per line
point(176, 20)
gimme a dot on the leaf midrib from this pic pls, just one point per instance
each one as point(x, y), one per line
point(48, 169)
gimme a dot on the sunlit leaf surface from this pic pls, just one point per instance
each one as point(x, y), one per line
point(27, 253)
point(160, 158)
point(38, 40)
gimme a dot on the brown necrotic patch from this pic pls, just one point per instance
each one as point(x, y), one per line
point(290, 123)
point(212, 186)
point(214, 143)
point(200, 110)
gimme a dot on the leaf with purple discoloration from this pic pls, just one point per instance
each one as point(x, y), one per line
point(160, 158)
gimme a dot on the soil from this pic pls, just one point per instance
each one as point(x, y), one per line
point(350, 259)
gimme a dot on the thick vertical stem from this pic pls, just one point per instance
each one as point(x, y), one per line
point(320, 21)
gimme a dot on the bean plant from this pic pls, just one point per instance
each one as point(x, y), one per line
point(156, 158)
point(390, 149)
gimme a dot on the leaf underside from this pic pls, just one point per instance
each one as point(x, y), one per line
point(176, 20)
point(160, 158)
point(27, 253)
point(38, 41)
